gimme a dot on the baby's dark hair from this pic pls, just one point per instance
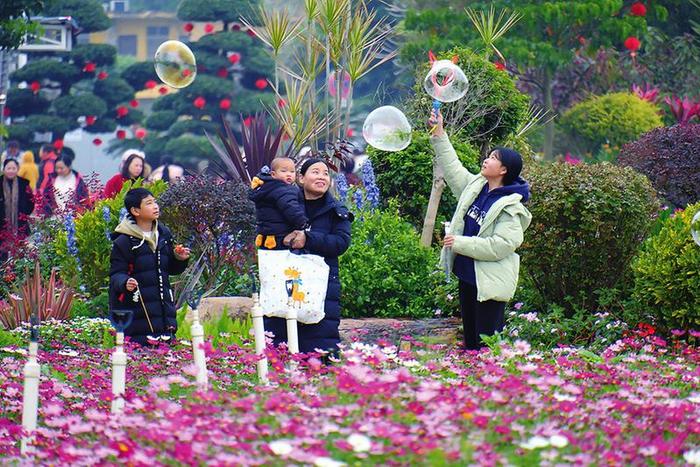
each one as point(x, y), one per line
point(133, 199)
point(274, 165)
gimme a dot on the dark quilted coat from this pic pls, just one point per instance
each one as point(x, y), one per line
point(328, 236)
point(132, 257)
point(278, 209)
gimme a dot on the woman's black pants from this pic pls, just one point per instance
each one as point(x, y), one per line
point(478, 317)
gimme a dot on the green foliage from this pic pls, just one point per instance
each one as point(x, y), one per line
point(114, 90)
point(87, 331)
point(94, 247)
point(23, 102)
point(387, 273)
point(8, 338)
point(71, 107)
point(88, 13)
point(138, 73)
point(491, 111)
point(223, 331)
point(100, 54)
point(594, 331)
point(223, 10)
point(667, 275)
point(193, 127)
point(190, 149)
point(588, 223)
point(64, 73)
point(43, 123)
point(15, 21)
point(160, 120)
point(411, 171)
point(615, 119)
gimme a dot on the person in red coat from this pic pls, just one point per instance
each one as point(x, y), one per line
point(132, 169)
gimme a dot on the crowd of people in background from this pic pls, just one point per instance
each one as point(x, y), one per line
point(51, 185)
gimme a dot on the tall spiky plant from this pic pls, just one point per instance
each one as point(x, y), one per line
point(260, 145)
point(492, 27)
point(277, 30)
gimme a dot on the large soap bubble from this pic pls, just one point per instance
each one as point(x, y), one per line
point(446, 82)
point(387, 129)
point(175, 64)
point(694, 228)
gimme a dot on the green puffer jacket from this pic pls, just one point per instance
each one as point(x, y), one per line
point(495, 261)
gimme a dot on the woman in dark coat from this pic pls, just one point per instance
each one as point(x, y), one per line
point(328, 236)
point(16, 202)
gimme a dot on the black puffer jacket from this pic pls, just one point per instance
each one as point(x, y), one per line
point(132, 256)
point(277, 207)
point(25, 205)
point(328, 236)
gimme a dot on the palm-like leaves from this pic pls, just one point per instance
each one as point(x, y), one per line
point(260, 145)
point(492, 27)
point(277, 30)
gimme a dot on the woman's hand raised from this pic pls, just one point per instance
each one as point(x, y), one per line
point(435, 123)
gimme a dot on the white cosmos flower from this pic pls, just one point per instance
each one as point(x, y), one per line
point(536, 442)
point(328, 462)
point(280, 447)
point(558, 441)
point(359, 443)
point(692, 457)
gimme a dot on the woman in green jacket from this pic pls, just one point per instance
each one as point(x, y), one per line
point(486, 229)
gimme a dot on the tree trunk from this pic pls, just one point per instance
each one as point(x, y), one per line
point(426, 237)
point(549, 126)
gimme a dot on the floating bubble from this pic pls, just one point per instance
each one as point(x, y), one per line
point(175, 64)
point(695, 228)
point(446, 82)
point(387, 129)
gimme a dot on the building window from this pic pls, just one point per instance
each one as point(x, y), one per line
point(156, 35)
point(126, 45)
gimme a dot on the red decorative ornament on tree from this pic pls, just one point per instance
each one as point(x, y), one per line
point(199, 102)
point(90, 120)
point(632, 44)
point(350, 133)
point(251, 33)
point(234, 58)
point(261, 83)
point(122, 111)
point(208, 28)
point(188, 27)
point(222, 73)
point(225, 104)
point(102, 75)
point(163, 90)
point(89, 67)
point(236, 27)
point(140, 133)
point(97, 141)
point(247, 121)
point(638, 9)
point(6, 112)
point(150, 84)
point(121, 134)
point(35, 86)
point(134, 103)
point(281, 103)
point(58, 144)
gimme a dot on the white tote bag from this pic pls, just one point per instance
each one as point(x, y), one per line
point(303, 277)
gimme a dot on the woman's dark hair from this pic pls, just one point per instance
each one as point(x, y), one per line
point(66, 159)
point(127, 163)
point(166, 171)
point(7, 161)
point(133, 199)
point(309, 162)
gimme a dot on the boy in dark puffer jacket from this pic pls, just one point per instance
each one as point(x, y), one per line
point(143, 257)
point(277, 207)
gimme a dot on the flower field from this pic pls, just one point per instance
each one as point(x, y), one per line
point(637, 403)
